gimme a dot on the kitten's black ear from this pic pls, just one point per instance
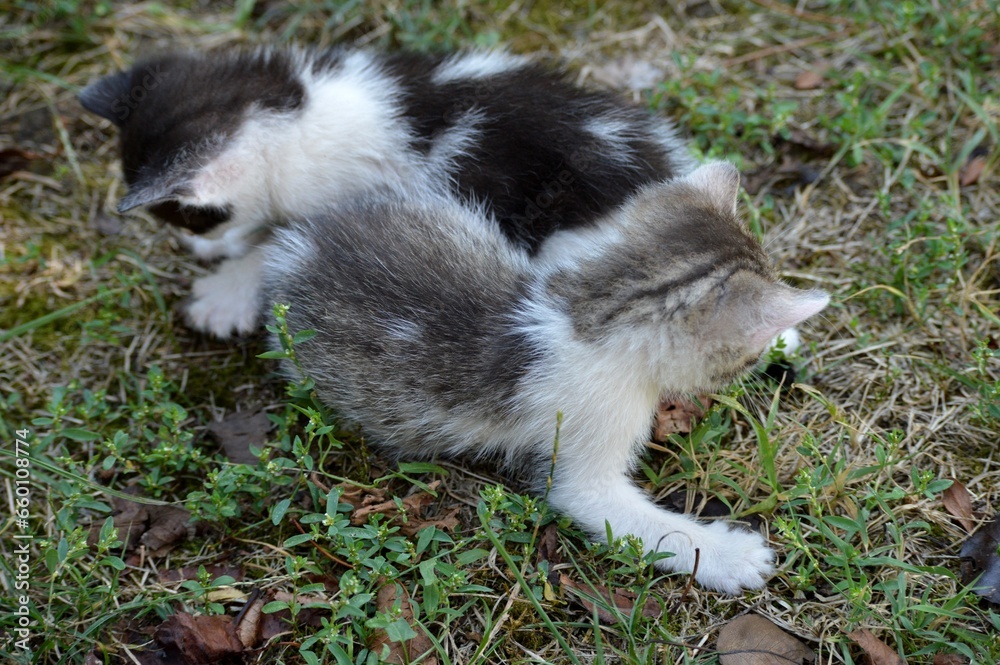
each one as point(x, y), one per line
point(107, 97)
point(720, 181)
point(146, 194)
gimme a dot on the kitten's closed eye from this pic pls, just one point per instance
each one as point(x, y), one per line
point(199, 219)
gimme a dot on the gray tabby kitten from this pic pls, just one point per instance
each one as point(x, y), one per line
point(440, 338)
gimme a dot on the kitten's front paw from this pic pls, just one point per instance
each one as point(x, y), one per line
point(221, 308)
point(732, 559)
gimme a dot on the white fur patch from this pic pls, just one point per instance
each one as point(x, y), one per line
point(456, 141)
point(346, 139)
point(676, 147)
point(614, 132)
point(607, 396)
point(477, 65)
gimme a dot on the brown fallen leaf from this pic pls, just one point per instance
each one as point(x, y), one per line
point(678, 416)
point(129, 517)
point(200, 640)
point(950, 659)
point(238, 431)
point(374, 501)
point(753, 640)
point(273, 624)
point(15, 159)
point(399, 652)
point(548, 546)
point(878, 652)
point(959, 504)
point(156, 527)
point(622, 599)
point(970, 172)
point(808, 80)
point(167, 526)
point(447, 521)
point(358, 496)
point(980, 560)
point(248, 628)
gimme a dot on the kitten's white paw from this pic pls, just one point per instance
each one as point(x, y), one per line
point(221, 308)
point(731, 559)
point(789, 339)
point(201, 247)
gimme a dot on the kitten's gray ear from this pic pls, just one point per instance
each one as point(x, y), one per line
point(107, 97)
point(782, 307)
point(144, 195)
point(719, 180)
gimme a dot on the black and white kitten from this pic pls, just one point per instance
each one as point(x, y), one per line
point(440, 337)
point(228, 143)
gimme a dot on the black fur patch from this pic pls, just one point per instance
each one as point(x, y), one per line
point(196, 219)
point(534, 162)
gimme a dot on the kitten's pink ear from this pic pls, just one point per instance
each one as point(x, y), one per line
point(785, 307)
point(719, 181)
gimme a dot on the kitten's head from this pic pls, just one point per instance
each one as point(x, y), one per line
point(179, 116)
point(683, 285)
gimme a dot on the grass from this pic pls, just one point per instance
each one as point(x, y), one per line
point(900, 380)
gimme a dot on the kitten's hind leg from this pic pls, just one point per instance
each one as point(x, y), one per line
point(729, 558)
point(228, 301)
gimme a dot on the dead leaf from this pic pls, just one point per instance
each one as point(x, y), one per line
point(408, 650)
point(980, 560)
point(278, 623)
point(878, 652)
point(373, 501)
point(969, 174)
point(623, 599)
point(238, 431)
point(678, 416)
point(548, 545)
point(248, 628)
point(129, 517)
point(201, 640)
point(753, 640)
point(959, 504)
point(167, 525)
point(808, 80)
point(950, 659)
point(448, 521)
point(156, 527)
point(15, 159)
